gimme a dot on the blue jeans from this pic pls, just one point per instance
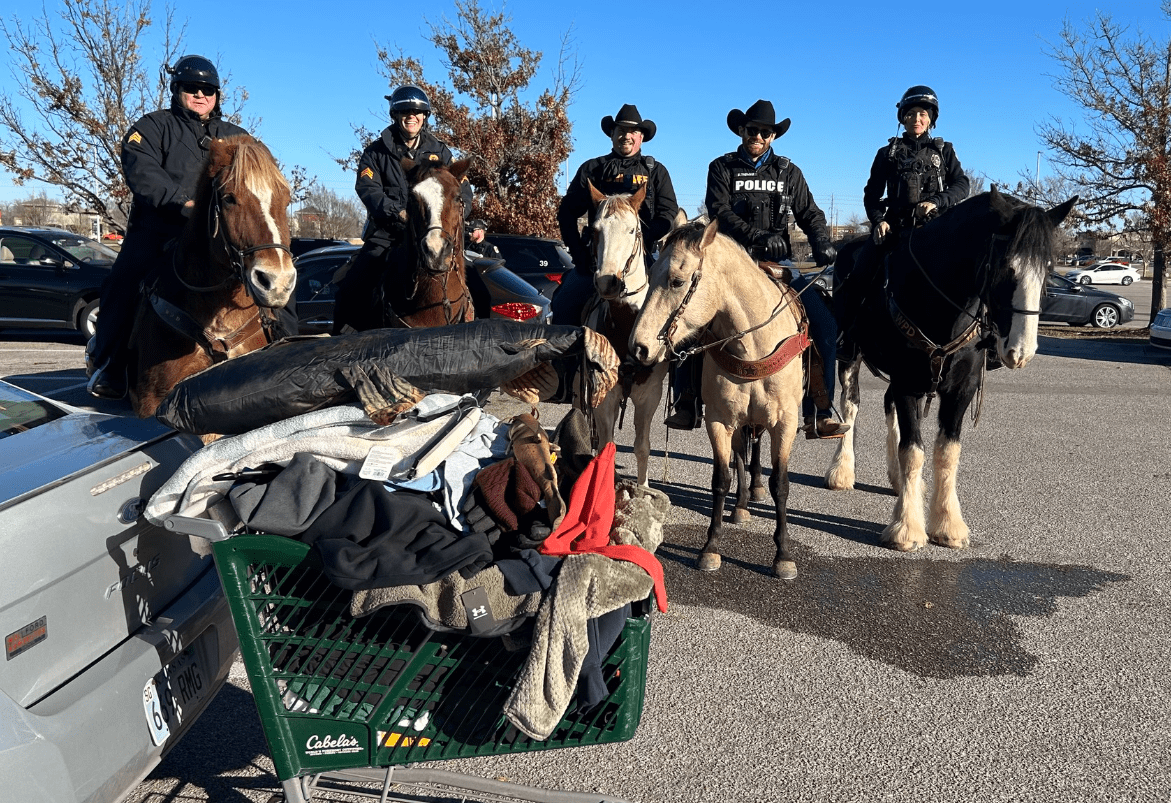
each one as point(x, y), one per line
point(571, 297)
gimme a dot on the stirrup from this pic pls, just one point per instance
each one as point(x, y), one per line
point(817, 428)
point(685, 415)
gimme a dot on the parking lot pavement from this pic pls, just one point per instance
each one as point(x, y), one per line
point(1030, 667)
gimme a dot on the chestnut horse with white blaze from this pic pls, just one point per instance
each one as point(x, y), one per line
point(707, 294)
point(213, 295)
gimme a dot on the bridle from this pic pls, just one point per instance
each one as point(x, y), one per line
point(217, 232)
point(638, 251)
point(448, 266)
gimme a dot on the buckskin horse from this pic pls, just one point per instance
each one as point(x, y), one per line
point(621, 283)
point(211, 298)
point(421, 282)
point(707, 294)
point(965, 282)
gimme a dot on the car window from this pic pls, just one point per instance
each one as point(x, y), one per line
point(21, 250)
point(527, 255)
point(315, 278)
point(84, 249)
point(20, 411)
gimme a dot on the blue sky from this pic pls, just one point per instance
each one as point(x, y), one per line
point(836, 69)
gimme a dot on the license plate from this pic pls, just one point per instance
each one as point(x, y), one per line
point(172, 694)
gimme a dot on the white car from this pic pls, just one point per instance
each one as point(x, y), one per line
point(1104, 273)
point(1161, 329)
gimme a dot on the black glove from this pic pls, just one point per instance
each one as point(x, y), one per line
point(775, 247)
point(824, 253)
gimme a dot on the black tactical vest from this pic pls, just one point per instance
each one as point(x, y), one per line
point(759, 196)
point(919, 173)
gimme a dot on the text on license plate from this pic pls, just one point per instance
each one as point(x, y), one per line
point(173, 693)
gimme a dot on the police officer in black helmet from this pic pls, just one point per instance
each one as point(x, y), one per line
point(915, 176)
point(162, 155)
point(382, 186)
point(620, 171)
point(752, 192)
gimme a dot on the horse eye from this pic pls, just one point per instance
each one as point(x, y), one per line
point(676, 283)
point(228, 198)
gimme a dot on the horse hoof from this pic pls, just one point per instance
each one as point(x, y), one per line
point(839, 480)
point(962, 542)
point(709, 562)
point(740, 515)
point(785, 570)
point(760, 494)
point(899, 538)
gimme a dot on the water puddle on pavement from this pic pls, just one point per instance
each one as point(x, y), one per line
point(932, 618)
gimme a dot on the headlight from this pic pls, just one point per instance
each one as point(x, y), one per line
point(1126, 302)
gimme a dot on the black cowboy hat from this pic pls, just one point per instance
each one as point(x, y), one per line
point(628, 115)
point(760, 114)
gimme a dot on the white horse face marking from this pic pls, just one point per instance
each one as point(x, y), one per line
point(272, 277)
point(430, 194)
point(617, 245)
point(1019, 346)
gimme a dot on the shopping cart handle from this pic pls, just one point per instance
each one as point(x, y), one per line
point(210, 529)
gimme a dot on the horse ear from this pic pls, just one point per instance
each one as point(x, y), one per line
point(680, 219)
point(596, 195)
point(637, 198)
point(459, 169)
point(709, 234)
point(1058, 214)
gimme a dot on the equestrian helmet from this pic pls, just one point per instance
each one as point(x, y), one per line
point(194, 70)
point(923, 96)
point(409, 98)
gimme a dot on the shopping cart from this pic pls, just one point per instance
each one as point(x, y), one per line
point(344, 699)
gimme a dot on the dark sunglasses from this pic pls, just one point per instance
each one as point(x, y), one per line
point(752, 131)
point(195, 89)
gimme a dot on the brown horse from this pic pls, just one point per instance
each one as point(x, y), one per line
point(706, 292)
point(422, 281)
point(205, 302)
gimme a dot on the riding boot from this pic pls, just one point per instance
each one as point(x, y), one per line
point(822, 427)
point(687, 410)
point(108, 381)
point(820, 424)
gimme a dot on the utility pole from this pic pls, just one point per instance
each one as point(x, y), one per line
point(1037, 179)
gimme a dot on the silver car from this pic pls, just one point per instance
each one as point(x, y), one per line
point(116, 633)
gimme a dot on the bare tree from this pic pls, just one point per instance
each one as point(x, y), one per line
point(81, 78)
point(327, 214)
point(1120, 165)
point(518, 146)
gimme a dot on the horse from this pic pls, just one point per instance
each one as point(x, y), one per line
point(422, 281)
point(751, 378)
point(204, 303)
point(621, 283)
point(967, 281)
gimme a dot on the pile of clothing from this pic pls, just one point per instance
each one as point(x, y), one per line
point(469, 523)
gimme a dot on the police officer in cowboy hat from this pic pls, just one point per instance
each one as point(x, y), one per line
point(383, 189)
point(162, 155)
point(752, 191)
point(622, 170)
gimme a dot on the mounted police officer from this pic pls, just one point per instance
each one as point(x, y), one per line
point(623, 170)
point(919, 174)
point(753, 192)
point(382, 186)
point(162, 155)
point(474, 240)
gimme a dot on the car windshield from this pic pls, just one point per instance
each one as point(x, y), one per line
point(20, 411)
point(83, 249)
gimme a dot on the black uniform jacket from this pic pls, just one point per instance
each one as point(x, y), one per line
point(162, 155)
point(942, 180)
point(753, 202)
point(614, 175)
point(382, 183)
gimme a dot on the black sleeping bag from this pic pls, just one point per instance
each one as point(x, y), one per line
point(299, 375)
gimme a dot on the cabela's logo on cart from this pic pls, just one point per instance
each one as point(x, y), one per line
point(317, 745)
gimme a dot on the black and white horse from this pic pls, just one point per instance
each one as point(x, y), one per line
point(965, 283)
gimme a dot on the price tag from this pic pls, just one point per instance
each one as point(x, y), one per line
point(380, 463)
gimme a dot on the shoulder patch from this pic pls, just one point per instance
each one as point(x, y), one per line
point(134, 137)
point(434, 157)
point(366, 173)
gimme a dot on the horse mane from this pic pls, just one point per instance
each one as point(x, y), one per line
point(688, 235)
point(251, 158)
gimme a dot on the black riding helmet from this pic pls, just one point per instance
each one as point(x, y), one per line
point(409, 98)
point(194, 70)
point(923, 96)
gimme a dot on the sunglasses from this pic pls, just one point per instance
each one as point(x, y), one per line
point(197, 89)
point(763, 133)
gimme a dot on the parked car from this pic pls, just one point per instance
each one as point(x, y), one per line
point(1104, 272)
point(1066, 301)
point(303, 245)
point(1161, 329)
point(512, 296)
point(51, 279)
point(538, 260)
point(116, 633)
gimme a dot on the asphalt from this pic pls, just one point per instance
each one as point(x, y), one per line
point(1029, 667)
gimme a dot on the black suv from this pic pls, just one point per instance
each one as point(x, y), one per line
point(51, 279)
point(538, 260)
